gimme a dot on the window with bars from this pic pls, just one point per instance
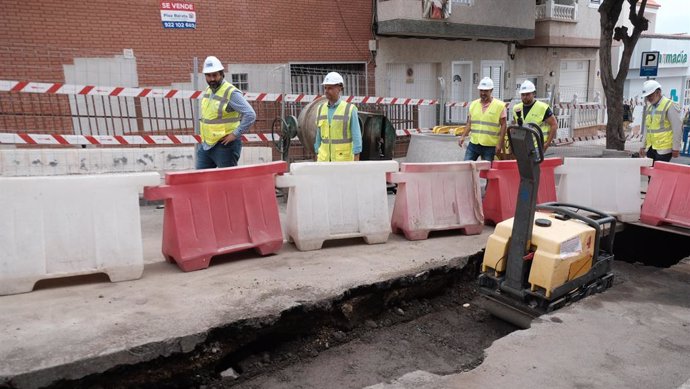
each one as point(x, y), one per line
point(240, 80)
point(307, 78)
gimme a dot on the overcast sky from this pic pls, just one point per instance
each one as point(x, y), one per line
point(673, 16)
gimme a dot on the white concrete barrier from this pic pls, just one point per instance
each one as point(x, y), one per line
point(51, 162)
point(610, 185)
point(70, 225)
point(337, 200)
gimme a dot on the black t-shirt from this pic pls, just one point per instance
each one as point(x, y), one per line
point(526, 108)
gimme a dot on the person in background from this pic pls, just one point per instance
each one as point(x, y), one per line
point(338, 134)
point(225, 116)
point(486, 124)
point(663, 132)
point(627, 115)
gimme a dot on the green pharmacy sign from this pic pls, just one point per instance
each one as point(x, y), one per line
point(675, 59)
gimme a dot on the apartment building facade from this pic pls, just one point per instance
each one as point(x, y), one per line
point(398, 48)
point(553, 43)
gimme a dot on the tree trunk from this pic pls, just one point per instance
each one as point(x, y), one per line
point(610, 11)
point(615, 136)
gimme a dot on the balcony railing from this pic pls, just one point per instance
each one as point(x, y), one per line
point(551, 10)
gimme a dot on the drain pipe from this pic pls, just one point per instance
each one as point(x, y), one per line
point(442, 102)
point(195, 86)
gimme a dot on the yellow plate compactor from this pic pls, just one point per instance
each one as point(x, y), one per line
point(548, 255)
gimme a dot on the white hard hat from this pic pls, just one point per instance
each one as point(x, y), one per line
point(333, 78)
point(486, 83)
point(212, 64)
point(527, 87)
point(649, 87)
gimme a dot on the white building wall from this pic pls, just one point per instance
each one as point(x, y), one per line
point(396, 55)
point(671, 76)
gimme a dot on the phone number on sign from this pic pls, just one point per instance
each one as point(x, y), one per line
point(179, 25)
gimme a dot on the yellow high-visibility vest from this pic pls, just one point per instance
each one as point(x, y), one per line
point(215, 121)
point(336, 137)
point(658, 127)
point(485, 126)
point(535, 115)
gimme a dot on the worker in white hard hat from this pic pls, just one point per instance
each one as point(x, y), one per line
point(531, 110)
point(225, 116)
point(338, 134)
point(663, 131)
point(486, 124)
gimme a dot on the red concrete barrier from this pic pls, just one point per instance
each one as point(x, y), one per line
point(503, 181)
point(437, 196)
point(219, 211)
point(668, 195)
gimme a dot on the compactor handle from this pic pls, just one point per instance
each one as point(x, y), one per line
point(536, 133)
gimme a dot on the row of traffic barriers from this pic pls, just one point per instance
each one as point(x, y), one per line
point(63, 226)
point(71, 225)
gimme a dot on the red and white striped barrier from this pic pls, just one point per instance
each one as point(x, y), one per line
point(61, 139)
point(112, 140)
point(92, 90)
point(558, 141)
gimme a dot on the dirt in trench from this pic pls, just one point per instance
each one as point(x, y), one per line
point(370, 334)
point(438, 335)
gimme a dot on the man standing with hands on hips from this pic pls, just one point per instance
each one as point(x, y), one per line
point(225, 116)
point(338, 134)
point(662, 132)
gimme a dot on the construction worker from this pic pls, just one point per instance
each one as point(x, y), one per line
point(662, 124)
point(338, 134)
point(530, 110)
point(225, 116)
point(486, 123)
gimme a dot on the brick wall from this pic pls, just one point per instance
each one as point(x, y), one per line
point(41, 36)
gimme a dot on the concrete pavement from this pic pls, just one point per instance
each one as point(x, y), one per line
point(66, 330)
point(635, 335)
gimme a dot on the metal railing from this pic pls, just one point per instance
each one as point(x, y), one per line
point(552, 10)
point(46, 113)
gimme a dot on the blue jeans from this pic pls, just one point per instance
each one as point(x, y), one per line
point(474, 151)
point(219, 155)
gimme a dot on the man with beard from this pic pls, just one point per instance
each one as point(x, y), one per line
point(338, 134)
point(225, 116)
point(531, 110)
point(486, 123)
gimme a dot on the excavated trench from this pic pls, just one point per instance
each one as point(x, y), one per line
point(651, 247)
point(368, 335)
